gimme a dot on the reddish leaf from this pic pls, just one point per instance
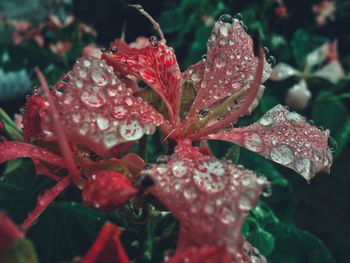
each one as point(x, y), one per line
point(107, 190)
point(210, 197)
point(107, 247)
point(206, 254)
point(9, 233)
point(230, 65)
point(157, 66)
point(98, 110)
point(286, 138)
point(11, 150)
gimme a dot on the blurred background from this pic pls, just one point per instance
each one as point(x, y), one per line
point(308, 39)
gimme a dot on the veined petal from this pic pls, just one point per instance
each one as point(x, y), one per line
point(210, 197)
point(107, 248)
point(285, 138)
point(12, 150)
point(98, 110)
point(283, 71)
point(230, 65)
point(332, 72)
point(157, 66)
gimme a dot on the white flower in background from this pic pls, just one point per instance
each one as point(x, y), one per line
point(320, 63)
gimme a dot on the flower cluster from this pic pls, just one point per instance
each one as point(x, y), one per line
point(96, 112)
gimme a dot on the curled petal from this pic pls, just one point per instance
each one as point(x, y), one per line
point(230, 65)
point(285, 138)
point(107, 190)
point(298, 96)
point(282, 71)
point(12, 150)
point(205, 254)
point(107, 248)
point(210, 197)
point(157, 66)
point(332, 72)
point(98, 110)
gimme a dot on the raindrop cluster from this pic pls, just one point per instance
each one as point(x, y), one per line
point(98, 110)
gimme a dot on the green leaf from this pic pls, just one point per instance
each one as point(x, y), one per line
point(293, 245)
point(22, 251)
point(171, 20)
point(331, 114)
point(343, 137)
point(262, 240)
point(11, 129)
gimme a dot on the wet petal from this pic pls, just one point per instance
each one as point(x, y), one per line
point(285, 138)
point(210, 197)
point(229, 66)
point(332, 72)
point(205, 254)
point(107, 248)
point(282, 71)
point(156, 65)
point(298, 96)
point(12, 150)
point(98, 110)
point(107, 190)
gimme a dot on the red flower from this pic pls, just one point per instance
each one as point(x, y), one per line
point(95, 107)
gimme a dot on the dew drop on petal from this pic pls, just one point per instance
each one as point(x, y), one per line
point(190, 193)
point(93, 97)
point(99, 77)
point(102, 122)
point(119, 112)
point(228, 216)
point(254, 143)
point(245, 202)
point(302, 166)
point(84, 128)
point(282, 154)
point(131, 130)
point(110, 140)
point(179, 169)
point(266, 121)
point(210, 177)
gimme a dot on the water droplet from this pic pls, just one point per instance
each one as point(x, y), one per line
point(84, 128)
point(99, 77)
point(332, 144)
point(266, 121)
point(271, 60)
point(282, 154)
point(238, 16)
point(245, 202)
point(110, 140)
point(254, 143)
point(87, 63)
point(179, 169)
point(293, 117)
point(93, 97)
point(149, 129)
point(302, 166)
point(102, 122)
point(226, 18)
point(228, 216)
point(79, 84)
point(129, 101)
point(190, 193)
point(210, 177)
point(82, 73)
point(119, 112)
point(203, 112)
point(162, 159)
point(209, 209)
point(154, 41)
point(131, 130)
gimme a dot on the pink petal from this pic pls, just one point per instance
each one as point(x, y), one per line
point(332, 72)
point(9, 233)
point(298, 96)
point(285, 138)
point(98, 110)
point(230, 65)
point(317, 57)
point(210, 197)
point(282, 71)
point(205, 254)
point(12, 150)
point(157, 66)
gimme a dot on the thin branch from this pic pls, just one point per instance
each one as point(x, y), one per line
point(58, 128)
point(150, 18)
